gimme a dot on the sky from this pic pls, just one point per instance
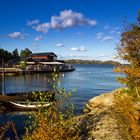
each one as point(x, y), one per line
point(73, 29)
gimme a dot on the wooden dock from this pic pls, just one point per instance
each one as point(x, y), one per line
point(8, 71)
point(11, 71)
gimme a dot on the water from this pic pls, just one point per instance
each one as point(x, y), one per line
point(88, 80)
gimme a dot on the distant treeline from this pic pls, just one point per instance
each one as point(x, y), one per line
point(78, 61)
point(14, 56)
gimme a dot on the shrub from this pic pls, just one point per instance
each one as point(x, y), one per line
point(54, 122)
point(129, 51)
point(128, 112)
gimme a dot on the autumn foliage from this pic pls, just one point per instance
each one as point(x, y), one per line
point(129, 50)
point(128, 103)
point(128, 114)
point(52, 126)
point(56, 121)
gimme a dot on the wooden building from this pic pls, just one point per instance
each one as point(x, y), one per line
point(44, 57)
point(48, 58)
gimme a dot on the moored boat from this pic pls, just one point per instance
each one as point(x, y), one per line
point(26, 101)
point(25, 105)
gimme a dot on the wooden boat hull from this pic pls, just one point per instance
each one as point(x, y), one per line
point(23, 96)
point(6, 98)
point(25, 106)
point(25, 101)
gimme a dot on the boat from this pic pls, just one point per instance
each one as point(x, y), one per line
point(7, 98)
point(23, 102)
point(26, 106)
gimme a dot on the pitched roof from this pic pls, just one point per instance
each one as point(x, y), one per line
point(45, 53)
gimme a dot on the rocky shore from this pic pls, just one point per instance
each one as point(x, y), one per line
point(100, 121)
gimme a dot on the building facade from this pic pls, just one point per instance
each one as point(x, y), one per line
point(43, 57)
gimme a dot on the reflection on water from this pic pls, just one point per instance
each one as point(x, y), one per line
point(89, 80)
point(27, 83)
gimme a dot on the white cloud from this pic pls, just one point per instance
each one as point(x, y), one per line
point(34, 44)
point(79, 33)
point(99, 35)
point(107, 38)
point(119, 33)
point(18, 35)
point(74, 49)
point(112, 32)
point(106, 27)
point(37, 38)
point(116, 28)
point(59, 45)
point(81, 49)
point(75, 56)
point(66, 18)
point(42, 27)
point(32, 22)
point(112, 29)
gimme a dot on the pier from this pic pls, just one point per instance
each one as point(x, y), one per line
point(10, 70)
point(34, 69)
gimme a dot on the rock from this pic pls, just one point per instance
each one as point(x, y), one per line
point(89, 107)
point(106, 99)
point(100, 121)
point(86, 110)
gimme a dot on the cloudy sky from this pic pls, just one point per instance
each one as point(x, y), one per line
point(79, 29)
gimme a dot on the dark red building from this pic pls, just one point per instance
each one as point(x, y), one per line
point(44, 57)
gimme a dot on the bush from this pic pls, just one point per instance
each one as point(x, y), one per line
point(54, 122)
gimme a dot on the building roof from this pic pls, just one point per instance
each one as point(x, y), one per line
point(46, 53)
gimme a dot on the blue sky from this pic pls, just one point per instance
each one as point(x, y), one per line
point(79, 29)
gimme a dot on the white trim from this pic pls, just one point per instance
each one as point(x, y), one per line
point(51, 63)
point(30, 62)
point(29, 106)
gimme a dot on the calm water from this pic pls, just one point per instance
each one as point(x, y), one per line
point(88, 80)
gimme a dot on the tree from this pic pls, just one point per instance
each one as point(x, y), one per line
point(129, 50)
point(5, 55)
point(25, 53)
point(15, 54)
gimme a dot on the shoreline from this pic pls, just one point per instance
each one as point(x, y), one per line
point(101, 121)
